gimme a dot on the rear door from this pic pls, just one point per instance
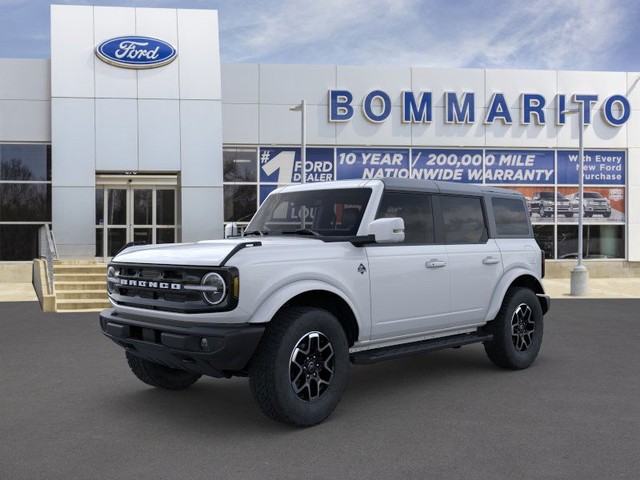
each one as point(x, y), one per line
point(475, 262)
point(410, 280)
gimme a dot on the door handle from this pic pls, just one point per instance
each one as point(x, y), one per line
point(490, 260)
point(435, 263)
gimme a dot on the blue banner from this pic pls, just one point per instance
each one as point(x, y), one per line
point(601, 167)
point(368, 163)
point(283, 165)
point(447, 164)
point(265, 190)
point(519, 167)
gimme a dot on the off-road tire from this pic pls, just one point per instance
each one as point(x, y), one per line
point(270, 369)
point(160, 376)
point(606, 214)
point(503, 350)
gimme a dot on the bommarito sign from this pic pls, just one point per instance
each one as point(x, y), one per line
point(459, 108)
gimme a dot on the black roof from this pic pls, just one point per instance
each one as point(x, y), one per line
point(444, 187)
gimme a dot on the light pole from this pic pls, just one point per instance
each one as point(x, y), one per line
point(580, 274)
point(302, 107)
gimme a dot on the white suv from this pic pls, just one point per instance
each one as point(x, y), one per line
point(331, 273)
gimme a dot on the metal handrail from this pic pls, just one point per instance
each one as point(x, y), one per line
point(48, 250)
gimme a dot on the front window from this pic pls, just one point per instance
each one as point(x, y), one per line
point(331, 212)
point(594, 195)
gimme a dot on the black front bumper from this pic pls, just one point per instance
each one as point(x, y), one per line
point(216, 351)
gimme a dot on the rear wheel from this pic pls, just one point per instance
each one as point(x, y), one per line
point(517, 330)
point(300, 369)
point(160, 376)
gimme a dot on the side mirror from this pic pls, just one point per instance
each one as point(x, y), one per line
point(231, 230)
point(387, 230)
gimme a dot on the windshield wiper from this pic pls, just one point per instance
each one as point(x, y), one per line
point(301, 231)
point(255, 232)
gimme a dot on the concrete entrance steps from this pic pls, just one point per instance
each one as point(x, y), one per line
point(80, 286)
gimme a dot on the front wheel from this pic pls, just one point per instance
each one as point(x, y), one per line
point(517, 330)
point(160, 376)
point(300, 368)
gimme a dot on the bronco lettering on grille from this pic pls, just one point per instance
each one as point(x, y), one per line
point(148, 284)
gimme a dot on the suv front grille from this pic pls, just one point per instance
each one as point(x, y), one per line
point(161, 287)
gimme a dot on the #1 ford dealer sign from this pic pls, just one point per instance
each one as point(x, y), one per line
point(136, 52)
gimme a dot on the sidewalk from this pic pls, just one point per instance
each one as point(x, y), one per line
point(17, 292)
point(598, 288)
point(555, 287)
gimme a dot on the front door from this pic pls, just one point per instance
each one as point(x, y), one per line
point(133, 212)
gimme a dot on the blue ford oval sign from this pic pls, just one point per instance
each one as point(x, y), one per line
point(136, 52)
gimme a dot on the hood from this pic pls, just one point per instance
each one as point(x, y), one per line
point(206, 253)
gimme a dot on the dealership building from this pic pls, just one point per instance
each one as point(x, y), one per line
point(134, 131)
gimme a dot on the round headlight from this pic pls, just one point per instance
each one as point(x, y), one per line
point(215, 288)
point(111, 278)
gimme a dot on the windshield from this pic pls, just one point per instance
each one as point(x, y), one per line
point(549, 196)
point(331, 212)
point(592, 195)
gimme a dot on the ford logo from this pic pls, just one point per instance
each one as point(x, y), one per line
point(136, 52)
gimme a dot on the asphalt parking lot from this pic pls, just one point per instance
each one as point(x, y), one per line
point(70, 408)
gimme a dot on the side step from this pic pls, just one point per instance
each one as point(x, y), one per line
point(398, 351)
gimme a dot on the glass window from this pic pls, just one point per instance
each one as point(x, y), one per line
point(165, 235)
point(239, 164)
point(544, 236)
point(327, 212)
point(116, 239)
point(142, 206)
point(18, 242)
point(30, 163)
point(415, 210)
point(165, 207)
point(599, 241)
point(25, 202)
point(463, 219)
point(117, 206)
point(99, 242)
point(512, 217)
point(143, 235)
point(239, 202)
point(100, 207)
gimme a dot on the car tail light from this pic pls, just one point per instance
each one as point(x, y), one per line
point(542, 265)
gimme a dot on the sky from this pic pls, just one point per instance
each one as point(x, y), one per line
point(531, 34)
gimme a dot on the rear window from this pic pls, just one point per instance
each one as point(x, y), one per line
point(463, 219)
point(511, 216)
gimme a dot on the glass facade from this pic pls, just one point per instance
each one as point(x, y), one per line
point(25, 198)
point(547, 178)
point(137, 212)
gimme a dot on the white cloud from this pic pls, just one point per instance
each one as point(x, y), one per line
point(535, 34)
point(547, 34)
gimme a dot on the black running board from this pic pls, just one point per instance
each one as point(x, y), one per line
point(398, 351)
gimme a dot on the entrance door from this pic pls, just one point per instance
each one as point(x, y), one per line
point(133, 212)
